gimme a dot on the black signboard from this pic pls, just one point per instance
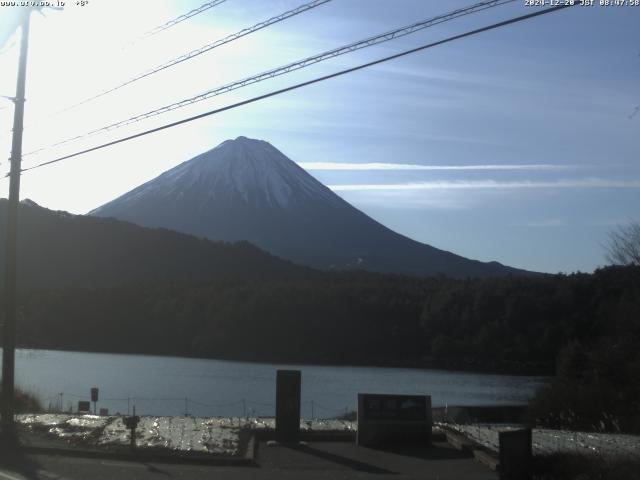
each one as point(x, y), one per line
point(288, 384)
point(84, 406)
point(94, 394)
point(395, 407)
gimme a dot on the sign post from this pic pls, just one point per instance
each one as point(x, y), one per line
point(288, 385)
point(132, 423)
point(94, 398)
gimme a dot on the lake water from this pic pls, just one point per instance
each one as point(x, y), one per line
point(171, 385)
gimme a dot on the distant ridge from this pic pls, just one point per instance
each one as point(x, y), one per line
point(60, 250)
point(246, 189)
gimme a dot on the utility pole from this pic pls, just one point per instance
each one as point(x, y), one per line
point(9, 333)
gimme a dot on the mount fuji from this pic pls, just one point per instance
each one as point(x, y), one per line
point(246, 189)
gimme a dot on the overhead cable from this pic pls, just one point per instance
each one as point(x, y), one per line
point(203, 49)
point(304, 84)
point(368, 42)
point(182, 18)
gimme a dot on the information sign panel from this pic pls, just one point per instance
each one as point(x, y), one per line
point(384, 418)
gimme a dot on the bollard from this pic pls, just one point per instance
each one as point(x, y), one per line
point(515, 454)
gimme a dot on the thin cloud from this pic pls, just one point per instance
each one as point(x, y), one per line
point(413, 166)
point(489, 184)
point(543, 223)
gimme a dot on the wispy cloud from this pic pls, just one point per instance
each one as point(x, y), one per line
point(542, 223)
point(490, 184)
point(414, 166)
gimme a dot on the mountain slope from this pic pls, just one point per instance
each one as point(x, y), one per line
point(246, 189)
point(57, 249)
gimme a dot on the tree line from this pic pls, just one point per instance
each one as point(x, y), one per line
point(510, 324)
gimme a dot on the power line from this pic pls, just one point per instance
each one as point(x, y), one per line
point(368, 42)
point(182, 18)
point(148, 34)
point(304, 84)
point(158, 29)
point(203, 49)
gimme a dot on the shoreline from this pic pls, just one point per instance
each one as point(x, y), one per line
point(453, 367)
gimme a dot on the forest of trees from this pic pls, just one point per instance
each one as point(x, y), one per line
point(510, 324)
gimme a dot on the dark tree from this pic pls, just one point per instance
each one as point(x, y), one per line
point(623, 246)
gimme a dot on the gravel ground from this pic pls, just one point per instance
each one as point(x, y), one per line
point(195, 434)
point(207, 435)
point(546, 441)
point(221, 436)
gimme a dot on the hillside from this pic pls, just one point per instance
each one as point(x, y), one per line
point(60, 250)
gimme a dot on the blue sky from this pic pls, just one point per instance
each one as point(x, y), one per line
point(537, 113)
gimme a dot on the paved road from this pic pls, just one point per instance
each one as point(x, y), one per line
point(321, 460)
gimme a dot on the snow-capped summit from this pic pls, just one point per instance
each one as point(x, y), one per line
point(246, 189)
point(247, 170)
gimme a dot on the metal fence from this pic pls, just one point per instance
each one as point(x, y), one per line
point(188, 406)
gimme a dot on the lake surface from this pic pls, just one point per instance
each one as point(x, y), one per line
point(171, 385)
